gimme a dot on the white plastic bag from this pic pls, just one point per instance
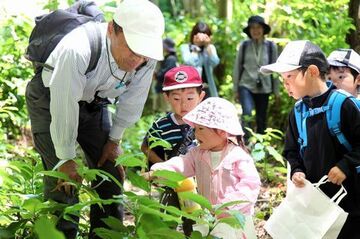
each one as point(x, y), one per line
point(308, 213)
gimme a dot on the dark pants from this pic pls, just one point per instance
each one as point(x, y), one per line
point(93, 131)
point(350, 228)
point(170, 198)
point(250, 101)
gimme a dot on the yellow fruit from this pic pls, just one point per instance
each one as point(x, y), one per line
point(187, 185)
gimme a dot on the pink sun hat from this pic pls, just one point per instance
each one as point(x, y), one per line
point(216, 113)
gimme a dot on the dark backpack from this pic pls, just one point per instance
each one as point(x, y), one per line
point(51, 28)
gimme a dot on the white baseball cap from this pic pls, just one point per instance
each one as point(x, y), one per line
point(216, 113)
point(297, 54)
point(345, 58)
point(143, 26)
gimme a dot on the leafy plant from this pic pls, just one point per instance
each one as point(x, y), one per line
point(264, 152)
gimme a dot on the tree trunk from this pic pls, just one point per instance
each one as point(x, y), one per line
point(225, 9)
point(193, 7)
point(353, 38)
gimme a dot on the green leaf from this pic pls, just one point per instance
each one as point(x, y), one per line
point(204, 202)
point(170, 175)
point(108, 234)
point(228, 204)
point(151, 221)
point(33, 205)
point(131, 160)
point(138, 181)
point(166, 217)
point(114, 224)
point(56, 174)
point(278, 157)
point(46, 229)
point(165, 233)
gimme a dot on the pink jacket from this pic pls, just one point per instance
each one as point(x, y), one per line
point(235, 178)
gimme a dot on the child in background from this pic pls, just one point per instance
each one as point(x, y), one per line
point(344, 70)
point(223, 168)
point(182, 89)
point(303, 67)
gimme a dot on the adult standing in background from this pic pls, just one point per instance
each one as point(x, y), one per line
point(67, 106)
point(201, 54)
point(169, 62)
point(251, 88)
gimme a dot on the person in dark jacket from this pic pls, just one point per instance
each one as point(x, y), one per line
point(169, 62)
point(303, 67)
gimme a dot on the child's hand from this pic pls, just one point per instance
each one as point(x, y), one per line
point(298, 179)
point(336, 176)
point(148, 175)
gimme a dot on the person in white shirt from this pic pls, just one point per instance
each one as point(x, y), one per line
point(67, 105)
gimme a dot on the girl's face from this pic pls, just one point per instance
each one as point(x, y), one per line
point(343, 79)
point(184, 100)
point(210, 139)
point(256, 31)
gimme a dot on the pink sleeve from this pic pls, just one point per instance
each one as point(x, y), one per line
point(182, 164)
point(247, 189)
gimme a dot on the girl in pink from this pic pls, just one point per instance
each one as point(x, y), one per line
point(223, 168)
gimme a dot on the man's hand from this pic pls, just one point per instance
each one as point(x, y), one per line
point(298, 179)
point(69, 168)
point(110, 152)
point(336, 176)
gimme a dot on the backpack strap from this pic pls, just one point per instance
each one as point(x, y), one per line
point(299, 108)
point(270, 49)
point(302, 112)
point(242, 60)
point(94, 35)
point(336, 100)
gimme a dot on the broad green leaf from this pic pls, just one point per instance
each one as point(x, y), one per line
point(46, 229)
point(229, 204)
point(115, 224)
point(33, 205)
point(165, 233)
point(278, 157)
point(145, 209)
point(204, 202)
point(108, 234)
point(131, 160)
point(138, 181)
point(170, 175)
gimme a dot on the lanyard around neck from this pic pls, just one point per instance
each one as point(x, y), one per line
point(257, 53)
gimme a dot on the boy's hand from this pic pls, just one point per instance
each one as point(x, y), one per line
point(298, 179)
point(336, 176)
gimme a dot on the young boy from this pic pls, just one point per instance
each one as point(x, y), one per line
point(303, 66)
point(344, 70)
point(182, 89)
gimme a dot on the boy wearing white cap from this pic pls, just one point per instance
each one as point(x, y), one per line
point(314, 146)
point(67, 104)
point(223, 168)
point(345, 70)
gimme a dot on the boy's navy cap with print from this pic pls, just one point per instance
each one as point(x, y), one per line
point(181, 77)
point(345, 58)
point(297, 54)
